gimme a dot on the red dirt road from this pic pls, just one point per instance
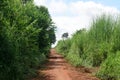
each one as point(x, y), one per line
point(58, 69)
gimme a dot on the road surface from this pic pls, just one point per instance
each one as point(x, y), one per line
point(57, 68)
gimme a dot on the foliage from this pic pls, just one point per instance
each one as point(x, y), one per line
point(63, 46)
point(93, 47)
point(24, 30)
point(110, 68)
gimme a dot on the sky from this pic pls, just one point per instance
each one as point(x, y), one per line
point(72, 15)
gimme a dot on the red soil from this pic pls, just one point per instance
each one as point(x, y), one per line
point(57, 68)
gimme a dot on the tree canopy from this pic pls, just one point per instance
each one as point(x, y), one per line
point(26, 34)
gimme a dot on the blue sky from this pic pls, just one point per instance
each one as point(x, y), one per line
point(114, 3)
point(72, 15)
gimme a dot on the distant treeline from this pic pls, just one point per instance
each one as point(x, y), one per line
point(98, 46)
point(26, 34)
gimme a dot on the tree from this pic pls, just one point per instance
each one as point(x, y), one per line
point(26, 34)
point(65, 35)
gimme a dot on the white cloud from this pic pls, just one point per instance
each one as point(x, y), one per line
point(40, 2)
point(91, 8)
point(58, 7)
point(73, 16)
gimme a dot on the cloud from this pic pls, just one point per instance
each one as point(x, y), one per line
point(91, 8)
point(58, 7)
point(73, 16)
point(40, 2)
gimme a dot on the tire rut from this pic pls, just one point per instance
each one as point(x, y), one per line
point(57, 68)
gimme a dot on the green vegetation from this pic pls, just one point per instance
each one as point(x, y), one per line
point(26, 35)
point(110, 69)
point(98, 46)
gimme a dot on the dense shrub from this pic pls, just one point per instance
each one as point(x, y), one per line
point(26, 35)
point(63, 46)
point(97, 46)
point(110, 68)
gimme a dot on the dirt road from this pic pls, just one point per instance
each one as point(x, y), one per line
point(57, 68)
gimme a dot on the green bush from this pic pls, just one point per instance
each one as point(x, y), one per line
point(116, 37)
point(63, 46)
point(97, 46)
point(74, 59)
point(110, 68)
point(26, 35)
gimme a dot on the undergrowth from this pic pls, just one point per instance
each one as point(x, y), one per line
point(98, 46)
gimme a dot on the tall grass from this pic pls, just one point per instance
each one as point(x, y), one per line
point(93, 47)
point(110, 68)
point(63, 46)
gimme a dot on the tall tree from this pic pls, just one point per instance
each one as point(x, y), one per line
point(25, 32)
